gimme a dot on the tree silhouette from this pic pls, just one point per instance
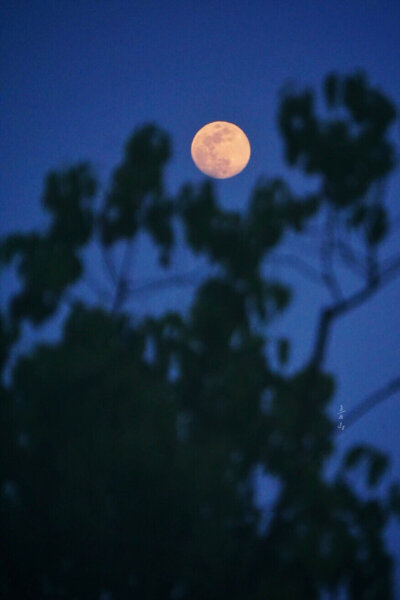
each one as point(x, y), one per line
point(130, 443)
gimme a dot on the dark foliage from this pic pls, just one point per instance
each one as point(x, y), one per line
point(129, 445)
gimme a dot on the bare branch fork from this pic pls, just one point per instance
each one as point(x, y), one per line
point(329, 314)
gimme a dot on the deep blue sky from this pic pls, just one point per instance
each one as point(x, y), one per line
point(77, 77)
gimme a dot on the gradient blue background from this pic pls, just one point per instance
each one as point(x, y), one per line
point(77, 77)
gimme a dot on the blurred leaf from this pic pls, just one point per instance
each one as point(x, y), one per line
point(68, 196)
point(136, 183)
point(331, 89)
point(377, 462)
point(394, 499)
point(377, 225)
point(45, 268)
point(283, 350)
point(280, 294)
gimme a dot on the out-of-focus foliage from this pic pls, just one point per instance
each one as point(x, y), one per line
point(349, 148)
point(136, 198)
point(129, 445)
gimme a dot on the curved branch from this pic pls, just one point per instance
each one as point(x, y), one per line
point(329, 314)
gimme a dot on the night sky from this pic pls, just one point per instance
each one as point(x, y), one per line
point(78, 77)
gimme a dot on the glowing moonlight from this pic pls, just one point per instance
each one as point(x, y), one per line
point(220, 149)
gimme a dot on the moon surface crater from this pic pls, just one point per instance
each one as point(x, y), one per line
point(220, 149)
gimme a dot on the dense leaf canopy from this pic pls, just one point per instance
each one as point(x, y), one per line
point(130, 444)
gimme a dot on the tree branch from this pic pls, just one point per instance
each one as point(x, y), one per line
point(100, 293)
point(109, 266)
point(373, 400)
point(329, 314)
point(299, 264)
point(122, 283)
point(326, 257)
point(183, 278)
point(392, 265)
point(107, 262)
point(350, 259)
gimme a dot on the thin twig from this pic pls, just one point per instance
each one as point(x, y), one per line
point(184, 278)
point(107, 262)
point(122, 281)
point(326, 257)
point(110, 267)
point(100, 293)
point(373, 400)
point(299, 264)
point(350, 259)
point(391, 263)
point(329, 314)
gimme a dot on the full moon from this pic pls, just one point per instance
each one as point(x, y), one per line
point(220, 149)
